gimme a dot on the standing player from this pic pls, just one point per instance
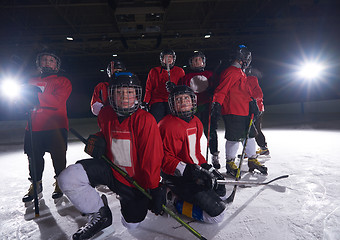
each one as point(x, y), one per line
point(257, 94)
point(100, 95)
point(49, 121)
point(160, 80)
point(185, 170)
point(202, 82)
point(233, 98)
point(130, 138)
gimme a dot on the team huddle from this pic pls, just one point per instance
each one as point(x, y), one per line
point(155, 139)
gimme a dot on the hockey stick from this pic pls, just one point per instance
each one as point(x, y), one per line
point(237, 177)
point(168, 68)
point(33, 167)
point(210, 105)
point(134, 183)
point(208, 137)
point(226, 182)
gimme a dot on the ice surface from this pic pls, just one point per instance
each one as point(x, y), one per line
point(303, 206)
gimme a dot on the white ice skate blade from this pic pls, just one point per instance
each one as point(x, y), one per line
point(104, 234)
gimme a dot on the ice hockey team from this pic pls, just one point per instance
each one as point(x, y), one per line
point(155, 139)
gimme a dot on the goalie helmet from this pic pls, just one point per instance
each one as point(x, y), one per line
point(125, 93)
point(193, 66)
point(242, 54)
point(48, 62)
point(182, 102)
point(167, 52)
point(115, 65)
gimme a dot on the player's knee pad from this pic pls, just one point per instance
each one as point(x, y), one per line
point(71, 177)
point(209, 202)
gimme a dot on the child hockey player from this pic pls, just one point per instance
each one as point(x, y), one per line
point(185, 171)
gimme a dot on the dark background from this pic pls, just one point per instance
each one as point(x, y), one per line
point(280, 34)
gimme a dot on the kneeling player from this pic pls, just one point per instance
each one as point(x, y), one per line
point(130, 138)
point(185, 171)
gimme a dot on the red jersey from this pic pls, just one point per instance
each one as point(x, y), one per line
point(99, 97)
point(51, 113)
point(206, 76)
point(155, 90)
point(233, 92)
point(134, 145)
point(256, 91)
point(181, 141)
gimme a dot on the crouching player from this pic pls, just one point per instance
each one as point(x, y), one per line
point(130, 138)
point(184, 169)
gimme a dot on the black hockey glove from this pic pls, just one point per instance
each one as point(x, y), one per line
point(145, 106)
point(253, 108)
point(218, 188)
point(199, 176)
point(30, 96)
point(215, 110)
point(158, 199)
point(216, 174)
point(95, 146)
point(169, 86)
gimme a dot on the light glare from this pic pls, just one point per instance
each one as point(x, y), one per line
point(10, 88)
point(311, 70)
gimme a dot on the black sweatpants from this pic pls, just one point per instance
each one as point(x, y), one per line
point(260, 138)
point(52, 141)
point(134, 204)
point(203, 113)
point(159, 110)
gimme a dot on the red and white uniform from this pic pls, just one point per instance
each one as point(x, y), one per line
point(155, 90)
point(99, 97)
point(256, 91)
point(202, 97)
point(233, 92)
point(181, 141)
point(51, 113)
point(135, 145)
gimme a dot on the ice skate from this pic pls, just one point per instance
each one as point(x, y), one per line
point(57, 193)
point(29, 196)
point(96, 222)
point(253, 164)
point(231, 167)
point(215, 160)
point(263, 151)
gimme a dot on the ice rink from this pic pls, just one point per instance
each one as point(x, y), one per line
point(304, 206)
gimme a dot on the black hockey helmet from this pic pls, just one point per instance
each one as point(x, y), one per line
point(167, 52)
point(114, 66)
point(241, 53)
point(45, 69)
point(180, 90)
point(120, 86)
point(202, 56)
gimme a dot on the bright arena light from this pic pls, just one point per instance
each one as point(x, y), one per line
point(10, 88)
point(311, 70)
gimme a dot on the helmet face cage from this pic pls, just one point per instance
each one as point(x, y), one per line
point(167, 52)
point(114, 66)
point(47, 69)
point(244, 55)
point(125, 94)
point(172, 102)
point(202, 56)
